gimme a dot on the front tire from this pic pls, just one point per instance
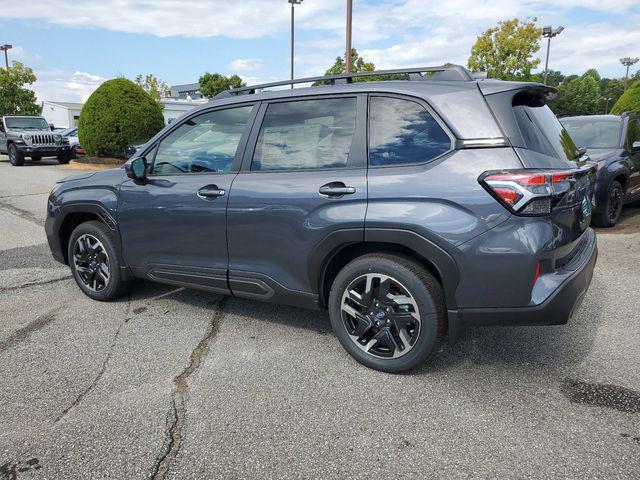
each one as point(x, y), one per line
point(610, 213)
point(16, 157)
point(64, 158)
point(387, 311)
point(95, 261)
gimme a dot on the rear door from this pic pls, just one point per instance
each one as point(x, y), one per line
point(633, 136)
point(303, 186)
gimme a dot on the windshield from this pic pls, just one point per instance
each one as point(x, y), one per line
point(26, 123)
point(594, 133)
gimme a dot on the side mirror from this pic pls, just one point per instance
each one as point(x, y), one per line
point(137, 169)
point(52, 127)
point(635, 146)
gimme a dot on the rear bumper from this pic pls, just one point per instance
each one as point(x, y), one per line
point(555, 309)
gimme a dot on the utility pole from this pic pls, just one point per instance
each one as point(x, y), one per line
point(293, 4)
point(6, 48)
point(627, 62)
point(347, 56)
point(549, 33)
point(606, 105)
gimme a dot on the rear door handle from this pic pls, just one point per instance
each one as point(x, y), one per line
point(336, 189)
point(210, 192)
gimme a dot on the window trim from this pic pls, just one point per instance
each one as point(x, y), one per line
point(237, 161)
point(430, 111)
point(358, 162)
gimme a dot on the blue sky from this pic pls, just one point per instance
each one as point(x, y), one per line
point(74, 45)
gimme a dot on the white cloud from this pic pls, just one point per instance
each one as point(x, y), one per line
point(62, 86)
point(245, 65)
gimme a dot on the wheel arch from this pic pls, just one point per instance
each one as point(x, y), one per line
point(74, 215)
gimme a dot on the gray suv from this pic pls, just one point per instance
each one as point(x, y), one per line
point(408, 209)
point(23, 136)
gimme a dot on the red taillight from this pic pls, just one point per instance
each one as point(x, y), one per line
point(537, 274)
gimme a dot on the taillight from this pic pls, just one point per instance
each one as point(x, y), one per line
point(527, 192)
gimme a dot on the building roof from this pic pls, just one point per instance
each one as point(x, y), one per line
point(69, 105)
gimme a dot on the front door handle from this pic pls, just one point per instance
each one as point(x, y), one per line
point(210, 192)
point(336, 189)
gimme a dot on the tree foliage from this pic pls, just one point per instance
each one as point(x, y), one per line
point(507, 51)
point(629, 101)
point(358, 64)
point(15, 99)
point(153, 86)
point(212, 84)
point(578, 96)
point(611, 88)
point(116, 114)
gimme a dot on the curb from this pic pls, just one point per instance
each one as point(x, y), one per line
point(91, 166)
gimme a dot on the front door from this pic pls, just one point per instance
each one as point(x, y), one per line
point(302, 186)
point(173, 227)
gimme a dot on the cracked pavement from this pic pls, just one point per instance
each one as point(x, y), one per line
point(174, 383)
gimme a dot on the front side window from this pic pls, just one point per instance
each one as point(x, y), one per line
point(203, 144)
point(403, 132)
point(306, 134)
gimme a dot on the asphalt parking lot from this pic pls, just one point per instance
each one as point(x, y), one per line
point(173, 383)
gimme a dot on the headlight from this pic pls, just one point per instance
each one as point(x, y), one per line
point(27, 138)
point(57, 137)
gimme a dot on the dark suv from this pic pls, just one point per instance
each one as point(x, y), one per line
point(613, 141)
point(407, 208)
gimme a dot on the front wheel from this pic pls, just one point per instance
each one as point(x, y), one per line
point(16, 157)
point(64, 157)
point(387, 311)
point(612, 209)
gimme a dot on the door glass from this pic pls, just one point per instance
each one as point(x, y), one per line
point(403, 132)
point(206, 143)
point(306, 134)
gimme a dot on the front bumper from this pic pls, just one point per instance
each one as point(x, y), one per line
point(45, 150)
point(555, 309)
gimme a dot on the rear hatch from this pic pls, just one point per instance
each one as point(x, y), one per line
point(551, 162)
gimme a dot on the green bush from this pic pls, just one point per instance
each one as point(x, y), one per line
point(629, 101)
point(116, 114)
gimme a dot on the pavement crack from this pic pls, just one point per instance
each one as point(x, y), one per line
point(20, 212)
point(34, 284)
point(25, 332)
point(96, 379)
point(177, 413)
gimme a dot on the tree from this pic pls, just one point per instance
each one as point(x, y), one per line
point(578, 96)
point(629, 101)
point(14, 98)
point(611, 88)
point(358, 64)
point(153, 86)
point(554, 78)
point(212, 84)
point(507, 51)
point(116, 114)
point(593, 73)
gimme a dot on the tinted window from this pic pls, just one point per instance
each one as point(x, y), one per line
point(591, 132)
point(402, 131)
point(206, 143)
point(543, 133)
point(306, 134)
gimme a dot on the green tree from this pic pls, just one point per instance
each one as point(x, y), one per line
point(212, 84)
point(629, 101)
point(153, 86)
point(554, 78)
point(578, 96)
point(116, 114)
point(15, 99)
point(358, 64)
point(611, 88)
point(507, 51)
point(593, 73)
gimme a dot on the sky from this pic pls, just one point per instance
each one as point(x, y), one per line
point(74, 45)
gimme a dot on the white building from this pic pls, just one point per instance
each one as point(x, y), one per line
point(66, 114)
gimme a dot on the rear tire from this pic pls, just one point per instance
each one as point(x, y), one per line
point(95, 261)
point(64, 158)
point(16, 157)
point(612, 209)
point(387, 311)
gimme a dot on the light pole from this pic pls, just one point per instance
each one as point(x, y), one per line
point(606, 105)
point(293, 4)
point(347, 56)
point(6, 48)
point(549, 33)
point(627, 62)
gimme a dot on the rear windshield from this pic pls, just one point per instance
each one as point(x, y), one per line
point(543, 133)
point(26, 123)
point(590, 132)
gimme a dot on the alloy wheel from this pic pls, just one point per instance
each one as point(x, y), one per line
point(615, 204)
point(91, 262)
point(380, 315)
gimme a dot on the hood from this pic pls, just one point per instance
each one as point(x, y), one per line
point(32, 131)
point(600, 154)
point(81, 176)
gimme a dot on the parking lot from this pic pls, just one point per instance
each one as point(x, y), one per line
point(173, 383)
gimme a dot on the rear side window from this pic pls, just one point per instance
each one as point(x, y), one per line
point(306, 134)
point(543, 133)
point(403, 132)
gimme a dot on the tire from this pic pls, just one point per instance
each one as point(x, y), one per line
point(16, 157)
point(64, 158)
point(36, 158)
point(610, 213)
point(413, 326)
point(85, 269)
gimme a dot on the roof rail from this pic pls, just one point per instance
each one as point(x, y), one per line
point(448, 73)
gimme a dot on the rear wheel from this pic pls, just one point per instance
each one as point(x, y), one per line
point(95, 261)
point(387, 311)
point(612, 209)
point(16, 157)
